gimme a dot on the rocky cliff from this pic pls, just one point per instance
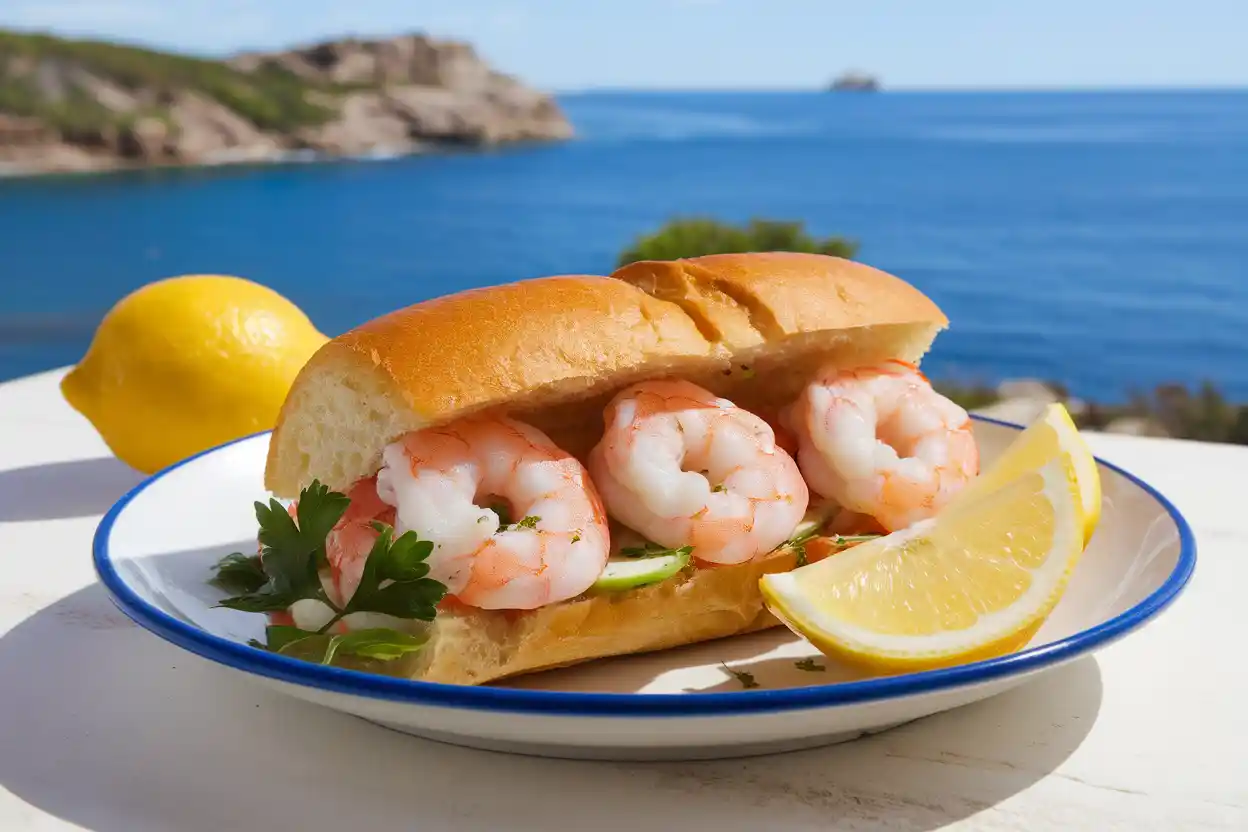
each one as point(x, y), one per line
point(83, 105)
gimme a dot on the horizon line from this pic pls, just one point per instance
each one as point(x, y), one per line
point(910, 88)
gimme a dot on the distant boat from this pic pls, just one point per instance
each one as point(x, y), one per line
point(856, 82)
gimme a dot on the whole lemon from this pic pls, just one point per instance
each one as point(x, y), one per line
point(187, 363)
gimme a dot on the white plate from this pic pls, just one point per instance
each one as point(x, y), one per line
point(154, 549)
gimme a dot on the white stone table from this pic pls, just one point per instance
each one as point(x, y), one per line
point(105, 727)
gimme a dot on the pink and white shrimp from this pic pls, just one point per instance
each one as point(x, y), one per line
point(350, 541)
point(442, 482)
point(685, 468)
point(880, 441)
point(346, 548)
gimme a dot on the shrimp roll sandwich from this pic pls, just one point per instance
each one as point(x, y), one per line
point(557, 470)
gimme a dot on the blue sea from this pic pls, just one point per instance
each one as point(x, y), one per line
point(1099, 239)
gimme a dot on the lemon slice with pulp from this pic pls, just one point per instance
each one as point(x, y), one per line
point(975, 581)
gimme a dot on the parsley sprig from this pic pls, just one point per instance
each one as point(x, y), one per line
point(292, 551)
point(377, 643)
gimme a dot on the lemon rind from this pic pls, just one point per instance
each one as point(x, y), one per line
point(1087, 473)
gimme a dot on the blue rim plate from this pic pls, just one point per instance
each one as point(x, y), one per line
point(294, 671)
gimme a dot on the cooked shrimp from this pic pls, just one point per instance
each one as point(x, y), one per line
point(880, 441)
point(441, 481)
point(348, 545)
point(686, 468)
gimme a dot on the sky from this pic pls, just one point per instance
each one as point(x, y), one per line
point(738, 44)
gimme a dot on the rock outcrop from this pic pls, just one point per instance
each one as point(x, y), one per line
point(412, 90)
point(70, 105)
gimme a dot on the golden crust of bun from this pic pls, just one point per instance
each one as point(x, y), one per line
point(749, 300)
point(750, 327)
point(530, 341)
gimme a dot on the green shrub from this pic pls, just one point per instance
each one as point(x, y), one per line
point(695, 236)
point(78, 117)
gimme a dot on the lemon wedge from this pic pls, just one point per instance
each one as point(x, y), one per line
point(1052, 436)
point(974, 582)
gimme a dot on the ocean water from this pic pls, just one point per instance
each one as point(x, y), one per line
point(1099, 239)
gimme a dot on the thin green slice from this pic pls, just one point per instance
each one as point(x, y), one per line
point(629, 573)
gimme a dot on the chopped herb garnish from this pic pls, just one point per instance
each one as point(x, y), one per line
point(809, 665)
point(798, 541)
point(529, 521)
point(292, 550)
point(746, 679)
point(719, 488)
point(240, 573)
point(653, 550)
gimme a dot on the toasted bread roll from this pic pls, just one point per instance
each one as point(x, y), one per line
point(551, 352)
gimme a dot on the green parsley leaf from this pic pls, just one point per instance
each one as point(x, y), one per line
point(402, 560)
point(290, 552)
point(381, 643)
point(399, 564)
point(809, 665)
point(279, 635)
point(746, 679)
point(240, 573)
point(312, 647)
point(529, 521)
point(319, 510)
point(264, 599)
